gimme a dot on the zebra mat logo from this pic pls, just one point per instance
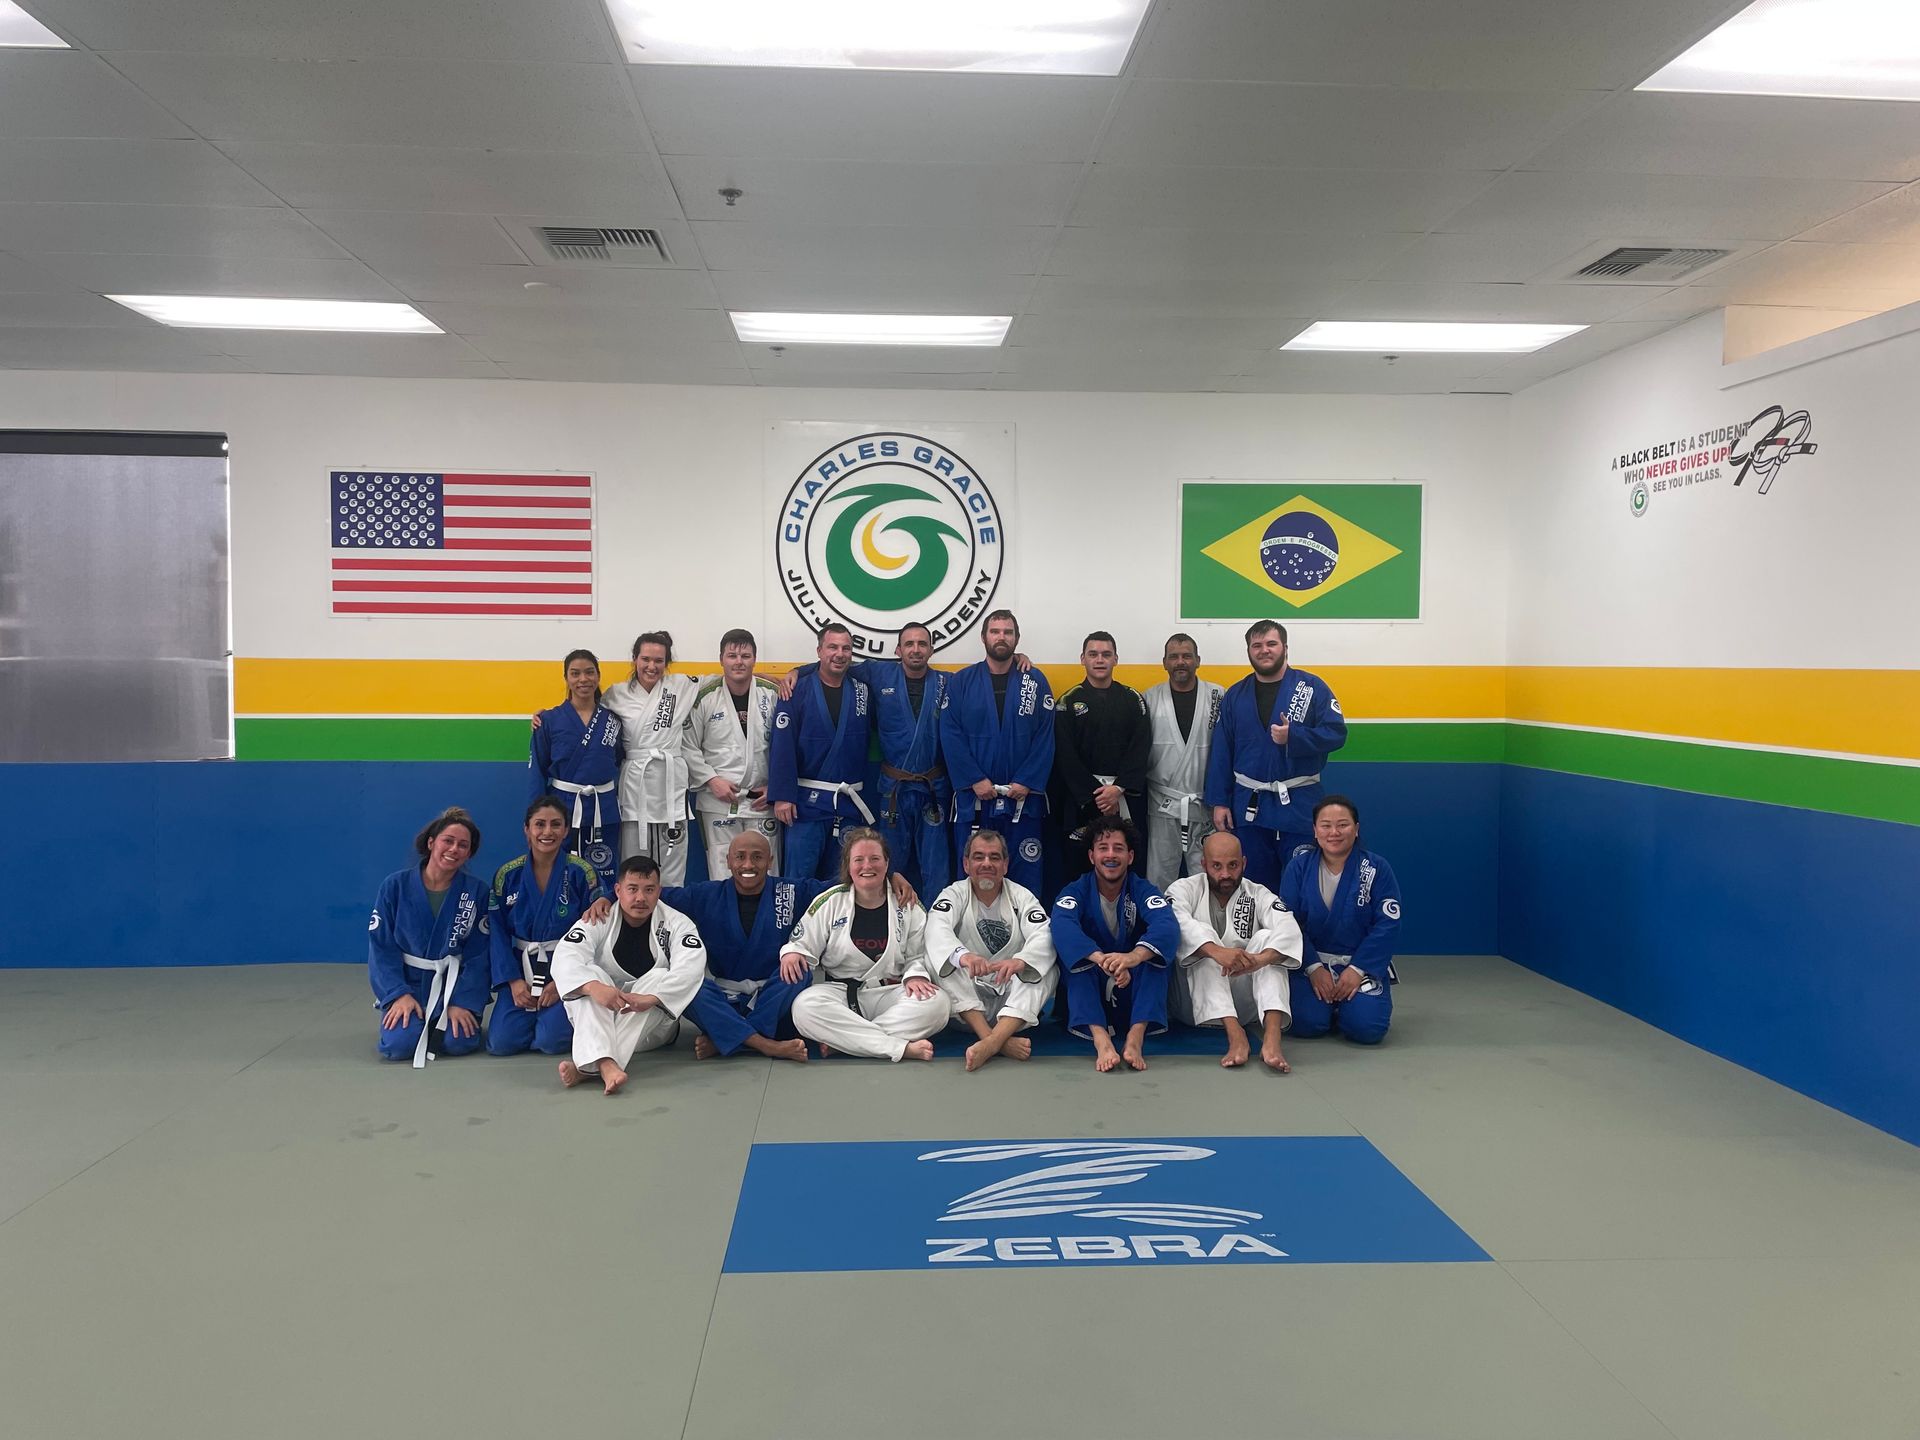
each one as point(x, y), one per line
point(1059, 1204)
point(888, 527)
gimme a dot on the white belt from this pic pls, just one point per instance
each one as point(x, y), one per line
point(580, 792)
point(446, 974)
point(1331, 960)
point(536, 982)
point(1178, 804)
point(1125, 813)
point(850, 789)
point(737, 987)
point(1274, 787)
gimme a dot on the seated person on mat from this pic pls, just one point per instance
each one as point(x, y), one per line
point(1115, 936)
point(427, 946)
point(1348, 906)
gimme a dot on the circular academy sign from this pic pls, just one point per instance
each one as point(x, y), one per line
point(886, 528)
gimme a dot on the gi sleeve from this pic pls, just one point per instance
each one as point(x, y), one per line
point(1071, 942)
point(1219, 787)
point(475, 986)
point(913, 944)
point(1068, 763)
point(1162, 935)
point(783, 772)
point(504, 959)
point(1138, 754)
point(1323, 732)
point(962, 767)
point(1184, 900)
point(1375, 952)
point(1036, 947)
point(1275, 928)
point(943, 938)
point(1036, 768)
point(1293, 894)
point(574, 959)
point(386, 964)
point(810, 935)
point(539, 764)
point(693, 746)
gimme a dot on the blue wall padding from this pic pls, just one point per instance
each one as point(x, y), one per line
point(271, 861)
point(1784, 940)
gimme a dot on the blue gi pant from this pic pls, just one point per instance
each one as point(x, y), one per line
point(811, 849)
point(1362, 1019)
point(1142, 998)
point(1268, 851)
point(727, 1020)
point(1024, 851)
point(513, 1031)
point(917, 835)
point(400, 1042)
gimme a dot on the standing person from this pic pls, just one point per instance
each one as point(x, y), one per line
point(1277, 727)
point(1115, 936)
point(1348, 904)
point(1181, 712)
point(1101, 746)
point(627, 978)
point(817, 760)
point(989, 942)
point(872, 992)
point(1238, 947)
point(536, 898)
point(576, 751)
point(427, 946)
point(996, 732)
point(652, 705)
point(727, 731)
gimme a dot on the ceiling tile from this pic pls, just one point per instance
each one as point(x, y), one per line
point(299, 30)
point(1678, 209)
point(393, 102)
point(17, 275)
point(74, 307)
point(283, 352)
point(140, 172)
point(342, 279)
point(380, 236)
point(872, 115)
point(497, 328)
point(257, 231)
point(1891, 220)
point(873, 249)
point(1177, 295)
point(555, 285)
point(1503, 257)
point(621, 370)
point(777, 379)
point(1851, 276)
point(936, 292)
point(103, 348)
point(68, 93)
point(1094, 329)
point(1219, 197)
point(1549, 304)
point(872, 192)
point(1252, 257)
point(1591, 344)
point(1308, 127)
point(630, 351)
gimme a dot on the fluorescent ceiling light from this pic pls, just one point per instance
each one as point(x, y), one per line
point(1008, 37)
point(17, 28)
point(1428, 337)
point(772, 327)
point(1845, 49)
point(242, 312)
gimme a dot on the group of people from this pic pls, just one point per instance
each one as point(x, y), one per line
point(591, 945)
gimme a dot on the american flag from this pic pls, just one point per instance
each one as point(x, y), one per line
point(419, 543)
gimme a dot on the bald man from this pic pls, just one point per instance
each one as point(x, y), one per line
point(1237, 944)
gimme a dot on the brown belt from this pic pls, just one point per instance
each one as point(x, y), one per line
point(895, 773)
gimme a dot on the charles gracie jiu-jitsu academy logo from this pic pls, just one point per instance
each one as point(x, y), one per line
point(887, 527)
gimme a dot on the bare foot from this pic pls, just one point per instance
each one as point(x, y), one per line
point(1019, 1047)
point(1237, 1052)
point(569, 1074)
point(826, 1051)
point(787, 1050)
point(612, 1077)
point(1134, 1058)
point(918, 1050)
point(1271, 1057)
point(978, 1054)
point(1105, 1057)
point(703, 1048)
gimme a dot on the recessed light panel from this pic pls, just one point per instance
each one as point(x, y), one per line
point(1843, 49)
point(1008, 37)
point(1426, 337)
point(21, 30)
point(240, 312)
point(766, 327)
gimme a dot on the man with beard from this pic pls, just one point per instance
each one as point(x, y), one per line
point(996, 731)
point(1101, 742)
point(1277, 727)
point(1238, 944)
point(1115, 936)
point(989, 944)
point(1181, 713)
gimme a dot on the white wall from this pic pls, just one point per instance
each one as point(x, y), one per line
point(681, 468)
point(1819, 572)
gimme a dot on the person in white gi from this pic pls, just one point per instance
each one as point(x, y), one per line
point(1237, 944)
point(1182, 713)
point(627, 978)
point(726, 753)
point(872, 991)
point(989, 942)
point(652, 707)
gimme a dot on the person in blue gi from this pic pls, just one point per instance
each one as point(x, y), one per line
point(817, 759)
point(536, 898)
point(1348, 906)
point(427, 947)
point(576, 752)
point(1115, 935)
point(1276, 729)
point(996, 734)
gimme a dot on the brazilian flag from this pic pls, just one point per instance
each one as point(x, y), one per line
point(1332, 552)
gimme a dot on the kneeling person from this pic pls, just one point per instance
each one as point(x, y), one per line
point(627, 978)
point(872, 993)
point(1348, 905)
point(989, 942)
point(1115, 935)
point(1237, 945)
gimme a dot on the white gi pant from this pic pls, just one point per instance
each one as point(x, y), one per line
point(1203, 996)
point(1022, 998)
point(667, 844)
point(1163, 843)
point(601, 1034)
point(887, 1019)
point(718, 831)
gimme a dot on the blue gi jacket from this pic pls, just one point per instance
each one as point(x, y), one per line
point(807, 745)
point(1079, 925)
point(518, 909)
point(714, 908)
point(404, 924)
point(1364, 919)
point(1243, 747)
point(1014, 746)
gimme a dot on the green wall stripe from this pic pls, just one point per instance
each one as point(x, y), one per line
point(1471, 741)
point(379, 738)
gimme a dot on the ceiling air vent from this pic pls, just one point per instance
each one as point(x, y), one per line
point(604, 245)
point(1650, 265)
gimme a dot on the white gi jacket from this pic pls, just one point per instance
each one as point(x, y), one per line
point(1177, 767)
point(680, 959)
point(824, 939)
point(951, 931)
point(714, 745)
point(653, 777)
point(1256, 921)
